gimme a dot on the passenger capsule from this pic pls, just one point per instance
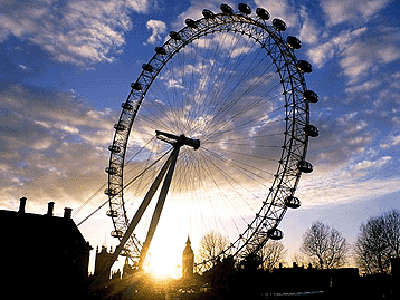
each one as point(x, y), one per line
point(293, 42)
point(112, 213)
point(114, 149)
point(275, 234)
point(119, 126)
point(136, 86)
point(191, 23)
point(111, 170)
point(148, 67)
point(304, 66)
point(292, 202)
point(305, 167)
point(175, 35)
point(225, 8)
point(208, 14)
point(310, 96)
point(127, 106)
point(160, 50)
point(310, 130)
point(244, 8)
point(110, 192)
point(262, 13)
point(279, 24)
point(118, 234)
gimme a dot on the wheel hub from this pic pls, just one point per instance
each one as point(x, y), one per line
point(178, 141)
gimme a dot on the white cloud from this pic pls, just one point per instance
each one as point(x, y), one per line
point(172, 83)
point(359, 53)
point(309, 32)
point(44, 124)
point(138, 5)
point(357, 60)
point(393, 140)
point(360, 140)
point(364, 87)
point(78, 31)
point(363, 56)
point(67, 128)
point(240, 51)
point(339, 11)
point(343, 189)
point(389, 54)
point(158, 28)
point(346, 118)
point(366, 164)
point(41, 144)
point(348, 182)
point(357, 127)
point(320, 54)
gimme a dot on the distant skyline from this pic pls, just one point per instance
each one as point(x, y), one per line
point(67, 66)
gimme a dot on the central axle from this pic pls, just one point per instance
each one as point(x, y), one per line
point(178, 141)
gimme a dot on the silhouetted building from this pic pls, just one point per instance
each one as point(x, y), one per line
point(43, 255)
point(395, 267)
point(102, 262)
point(128, 269)
point(382, 285)
point(300, 279)
point(395, 272)
point(117, 275)
point(187, 260)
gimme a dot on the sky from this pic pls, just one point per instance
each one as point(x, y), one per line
point(67, 66)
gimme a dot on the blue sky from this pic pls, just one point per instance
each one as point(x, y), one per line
point(66, 67)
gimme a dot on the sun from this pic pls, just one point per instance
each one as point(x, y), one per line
point(163, 270)
point(164, 262)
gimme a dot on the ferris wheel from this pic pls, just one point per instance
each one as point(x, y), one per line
point(218, 126)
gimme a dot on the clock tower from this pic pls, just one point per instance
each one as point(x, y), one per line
point(187, 260)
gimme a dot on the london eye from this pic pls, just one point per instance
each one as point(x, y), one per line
point(216, 127)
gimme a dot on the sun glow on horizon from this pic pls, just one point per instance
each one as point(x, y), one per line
point(164, 260)
point(163, 268)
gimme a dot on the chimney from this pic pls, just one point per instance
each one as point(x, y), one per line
point(22, 204)
point(50, 209)
point(67, 213)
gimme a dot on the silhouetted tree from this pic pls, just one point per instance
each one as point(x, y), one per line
point(211, 245)
point(252, 262)
point(272, 253)
point(325, 245)
point(392, 221)
point(377, 242)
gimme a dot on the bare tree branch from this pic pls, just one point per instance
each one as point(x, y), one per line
point(325, 245)
point(272, 253)
point(211, 245)
point(378, 242)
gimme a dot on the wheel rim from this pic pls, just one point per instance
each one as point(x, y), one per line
point(219, 117)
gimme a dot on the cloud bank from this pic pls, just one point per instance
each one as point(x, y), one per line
point(74, 31)
point(52, 143)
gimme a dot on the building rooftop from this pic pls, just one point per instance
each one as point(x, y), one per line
point(31, 229)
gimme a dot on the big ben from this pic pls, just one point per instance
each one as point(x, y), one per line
point(187, 260)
